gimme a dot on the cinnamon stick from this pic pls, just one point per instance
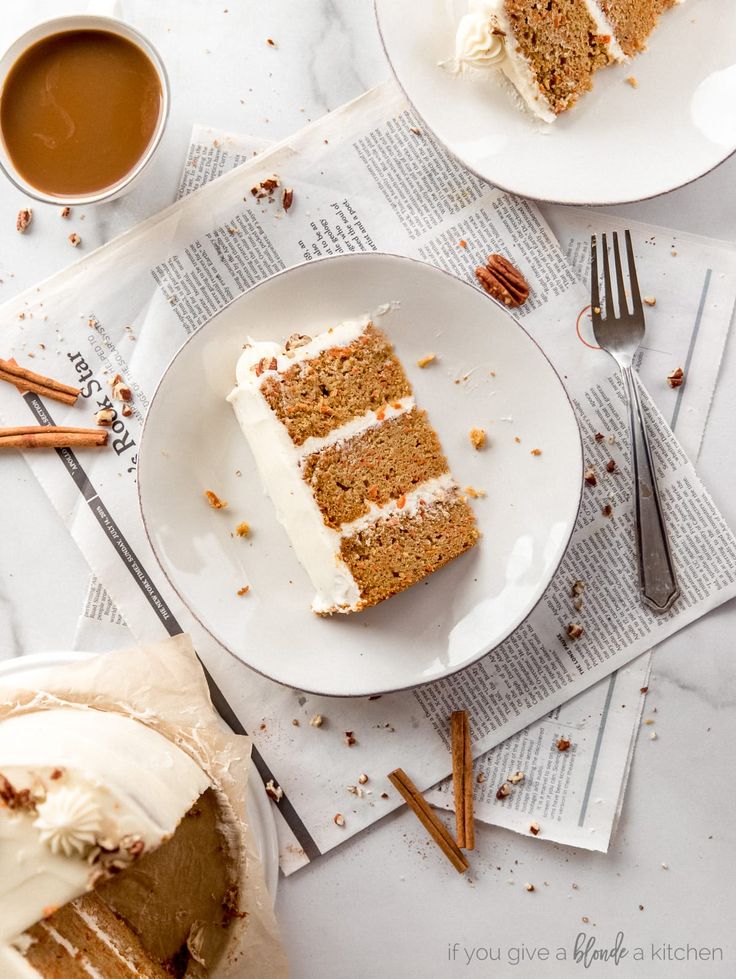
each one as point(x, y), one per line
point(50, 437)
point(30, 381)
point(468, 787)
point(429, 819)
point(457, 738)
point(462, 778)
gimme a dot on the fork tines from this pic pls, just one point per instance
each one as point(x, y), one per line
point(623, 307)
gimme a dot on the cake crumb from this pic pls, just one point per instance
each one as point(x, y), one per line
point(214, 500)
point(650, 300)
point(24, 218)
point(338, 819)
point(577, 588)
point(536, 452)
point(480, 778)
point(475, 494)
point(244, 590)
point(316, 721)
point(426, 360)
point(504, 791)
point(633, 81)
point(478, 438)
point(529, 887)
point(574, 630)
point(563, 744)
point(243, 529)
point(676, 377)
point(462, 243)
point(516, 778)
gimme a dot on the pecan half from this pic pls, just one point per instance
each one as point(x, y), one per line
point(503, 281)
point(25, 216)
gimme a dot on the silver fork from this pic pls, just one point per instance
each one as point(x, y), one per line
point(620, 336)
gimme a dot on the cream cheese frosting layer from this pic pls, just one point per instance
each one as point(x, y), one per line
point(74, 780)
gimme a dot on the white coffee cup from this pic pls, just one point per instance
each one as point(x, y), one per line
point(81, 22)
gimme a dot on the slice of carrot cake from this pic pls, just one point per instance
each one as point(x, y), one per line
point(354, 468)
point(551, 49)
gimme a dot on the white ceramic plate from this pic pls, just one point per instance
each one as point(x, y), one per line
point(617, 144)
point(191, 442)
point(16, 671)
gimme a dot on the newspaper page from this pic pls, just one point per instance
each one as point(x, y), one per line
point(363, 178)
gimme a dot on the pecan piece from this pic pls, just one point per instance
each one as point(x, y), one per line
point(25, 216)
point(503, 281)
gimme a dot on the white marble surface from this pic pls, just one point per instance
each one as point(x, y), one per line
point(386, 904)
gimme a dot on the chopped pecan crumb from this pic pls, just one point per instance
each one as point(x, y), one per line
point(74, 239)
point(15, 799)
point(384, 795)
point(264, 364)
point(426, 360)
point(362, 778)
point(416, 130)
point(25, 216)
point(504, 791)
point(295, 721)
point(611, 466)
point(590, 477)
point(536, 452)
point(274, 791)
point(65, 212)
point(650, 300)
point(338, 819)
point(243, 591)
point(462, 243)
point(607, 510)
point(56, 774)
point(214, 500)
point(265, 188)
point(350, 739)
point(296, 340)
point(599, 436)
point(316, 721)
point(105, 417)
point(534, 828)
point(503, 281)
point(480, 778)
point(577, 588)
point(126, 410)
point(287, 198)
point(516, 778)
point(643, 689)
point(243, 529)
point(563, 744)
point(478, 438)
point(270, 42)
point(529, 887)
point(574, 630)
point(120, 390)
point(676, 377)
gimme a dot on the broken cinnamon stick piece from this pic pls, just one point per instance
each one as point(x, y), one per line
point(30, 381)
point(429, 819)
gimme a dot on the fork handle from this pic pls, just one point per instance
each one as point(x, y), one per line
point(657, 579)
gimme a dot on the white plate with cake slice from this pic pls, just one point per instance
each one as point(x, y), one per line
point(653, 122)
point(15, 671)
point(251, 592)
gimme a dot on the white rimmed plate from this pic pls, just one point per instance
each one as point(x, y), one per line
point(191, 442)
point(21, 669)
point(617, 144)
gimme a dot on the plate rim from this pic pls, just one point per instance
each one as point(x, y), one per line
point(197, 616)
point(520, 193)
point(267, 836)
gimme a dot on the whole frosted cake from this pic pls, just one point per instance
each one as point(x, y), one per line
point(354, 468)
point(550, 49)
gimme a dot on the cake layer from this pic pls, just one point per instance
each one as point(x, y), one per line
point(632, 21)
point(383, 463)
point(312, 397)
point(396, 551)
point(560, 41)
point(85, 939)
